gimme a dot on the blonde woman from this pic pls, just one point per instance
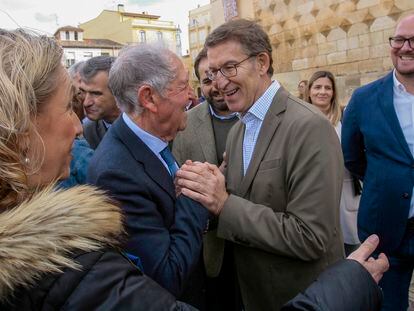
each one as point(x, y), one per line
point(321, 92)
point(56, 247)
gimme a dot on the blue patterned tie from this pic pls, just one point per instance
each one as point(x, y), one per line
point(167, 156)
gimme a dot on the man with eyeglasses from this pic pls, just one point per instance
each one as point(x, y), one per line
point(378, 145)
point(278, 204)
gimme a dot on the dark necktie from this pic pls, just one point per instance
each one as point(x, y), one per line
point(167, 156)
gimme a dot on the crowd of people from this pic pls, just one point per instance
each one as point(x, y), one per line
point(115, 197)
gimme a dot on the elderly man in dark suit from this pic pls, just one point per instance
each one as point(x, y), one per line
point(134, 164)
point(99, 104)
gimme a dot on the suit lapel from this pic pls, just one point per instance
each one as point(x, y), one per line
point(100, 129)
point(234, 147)
point(152, 165)
point(267, 131)
point(205, 135)
point(386, 99)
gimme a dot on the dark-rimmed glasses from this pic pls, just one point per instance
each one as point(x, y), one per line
point(228, 71)
point(398, 42)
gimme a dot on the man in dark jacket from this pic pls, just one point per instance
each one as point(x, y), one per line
point(99, 104)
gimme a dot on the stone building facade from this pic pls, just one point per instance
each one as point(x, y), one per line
point(347, 37)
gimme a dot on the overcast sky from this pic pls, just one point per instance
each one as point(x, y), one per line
point(48, 15)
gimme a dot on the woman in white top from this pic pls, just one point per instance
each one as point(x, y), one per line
point(321, 92)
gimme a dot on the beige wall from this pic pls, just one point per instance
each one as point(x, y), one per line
point(349, 38)
point(108, 25)
point(125, 30)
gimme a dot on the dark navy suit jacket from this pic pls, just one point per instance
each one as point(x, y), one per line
point(165, 232)
point(376, 151)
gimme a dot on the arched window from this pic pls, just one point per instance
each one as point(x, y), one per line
point(76, 35)
point(67, 35)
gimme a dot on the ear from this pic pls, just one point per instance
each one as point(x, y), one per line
point(263, 59)
point(147, 98)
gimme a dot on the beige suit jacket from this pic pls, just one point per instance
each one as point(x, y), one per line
point(197, 143)
point(283, 215)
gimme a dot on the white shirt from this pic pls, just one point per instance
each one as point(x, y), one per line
point(155, 144)
point(404, 108)
point(253, 120)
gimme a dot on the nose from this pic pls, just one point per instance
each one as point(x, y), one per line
point(220, 81)
point(323, 90)
point(88, 100)
point(406, 46)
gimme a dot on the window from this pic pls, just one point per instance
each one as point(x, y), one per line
point(105, 54)
point(159, 35)
point(202, 35)
point(67, 35)
point(76, 35)
point(87, 55)
point(69, 59)
point(142, 36)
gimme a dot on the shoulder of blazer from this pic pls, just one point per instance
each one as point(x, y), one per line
point(375, 86)
point(200, 112)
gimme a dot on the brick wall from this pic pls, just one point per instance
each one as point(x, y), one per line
point(347, 37)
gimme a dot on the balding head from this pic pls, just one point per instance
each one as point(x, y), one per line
point(402, 49)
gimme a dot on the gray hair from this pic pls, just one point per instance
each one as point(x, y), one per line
point(95, 65)
point(139, 65)
point(75, 69)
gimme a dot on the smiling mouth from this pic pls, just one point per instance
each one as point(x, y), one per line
point(232, 92)
point(407, 57)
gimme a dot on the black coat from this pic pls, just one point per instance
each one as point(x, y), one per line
point(345, 286)
point(107, 281)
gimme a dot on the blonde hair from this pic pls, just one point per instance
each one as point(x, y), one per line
point(335, 111)
point(29, 69)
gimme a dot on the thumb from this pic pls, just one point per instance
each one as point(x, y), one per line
point(366, 248)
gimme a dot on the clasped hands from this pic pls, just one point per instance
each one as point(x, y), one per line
point(204, 183)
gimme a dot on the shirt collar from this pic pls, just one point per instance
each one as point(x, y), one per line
point(215, 115)
point(107, 124)
point(261, 106)
point(397, 84)
point(154, 143)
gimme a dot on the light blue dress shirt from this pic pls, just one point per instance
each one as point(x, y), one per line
point(404, 107)
point(253, 120)
point(155, 144)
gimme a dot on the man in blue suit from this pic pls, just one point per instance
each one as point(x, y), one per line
point(133, 163)
point(378, 146)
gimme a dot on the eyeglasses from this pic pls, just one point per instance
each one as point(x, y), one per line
point(227, 71)
point(398, 42)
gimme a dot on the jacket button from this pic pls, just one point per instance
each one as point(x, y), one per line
point(405, 195)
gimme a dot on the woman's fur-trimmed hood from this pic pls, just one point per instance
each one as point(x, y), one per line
point(38, 236)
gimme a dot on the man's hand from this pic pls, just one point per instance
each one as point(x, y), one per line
point(204, 183)
point(376, 267)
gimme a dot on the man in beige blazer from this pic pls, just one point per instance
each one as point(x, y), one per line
point(204, 139)
point(279, 200)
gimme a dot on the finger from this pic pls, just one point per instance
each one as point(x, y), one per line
point(383, 262)
point(193, 185)
point(188, 175)
point(366, 249)
point(199, 168)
